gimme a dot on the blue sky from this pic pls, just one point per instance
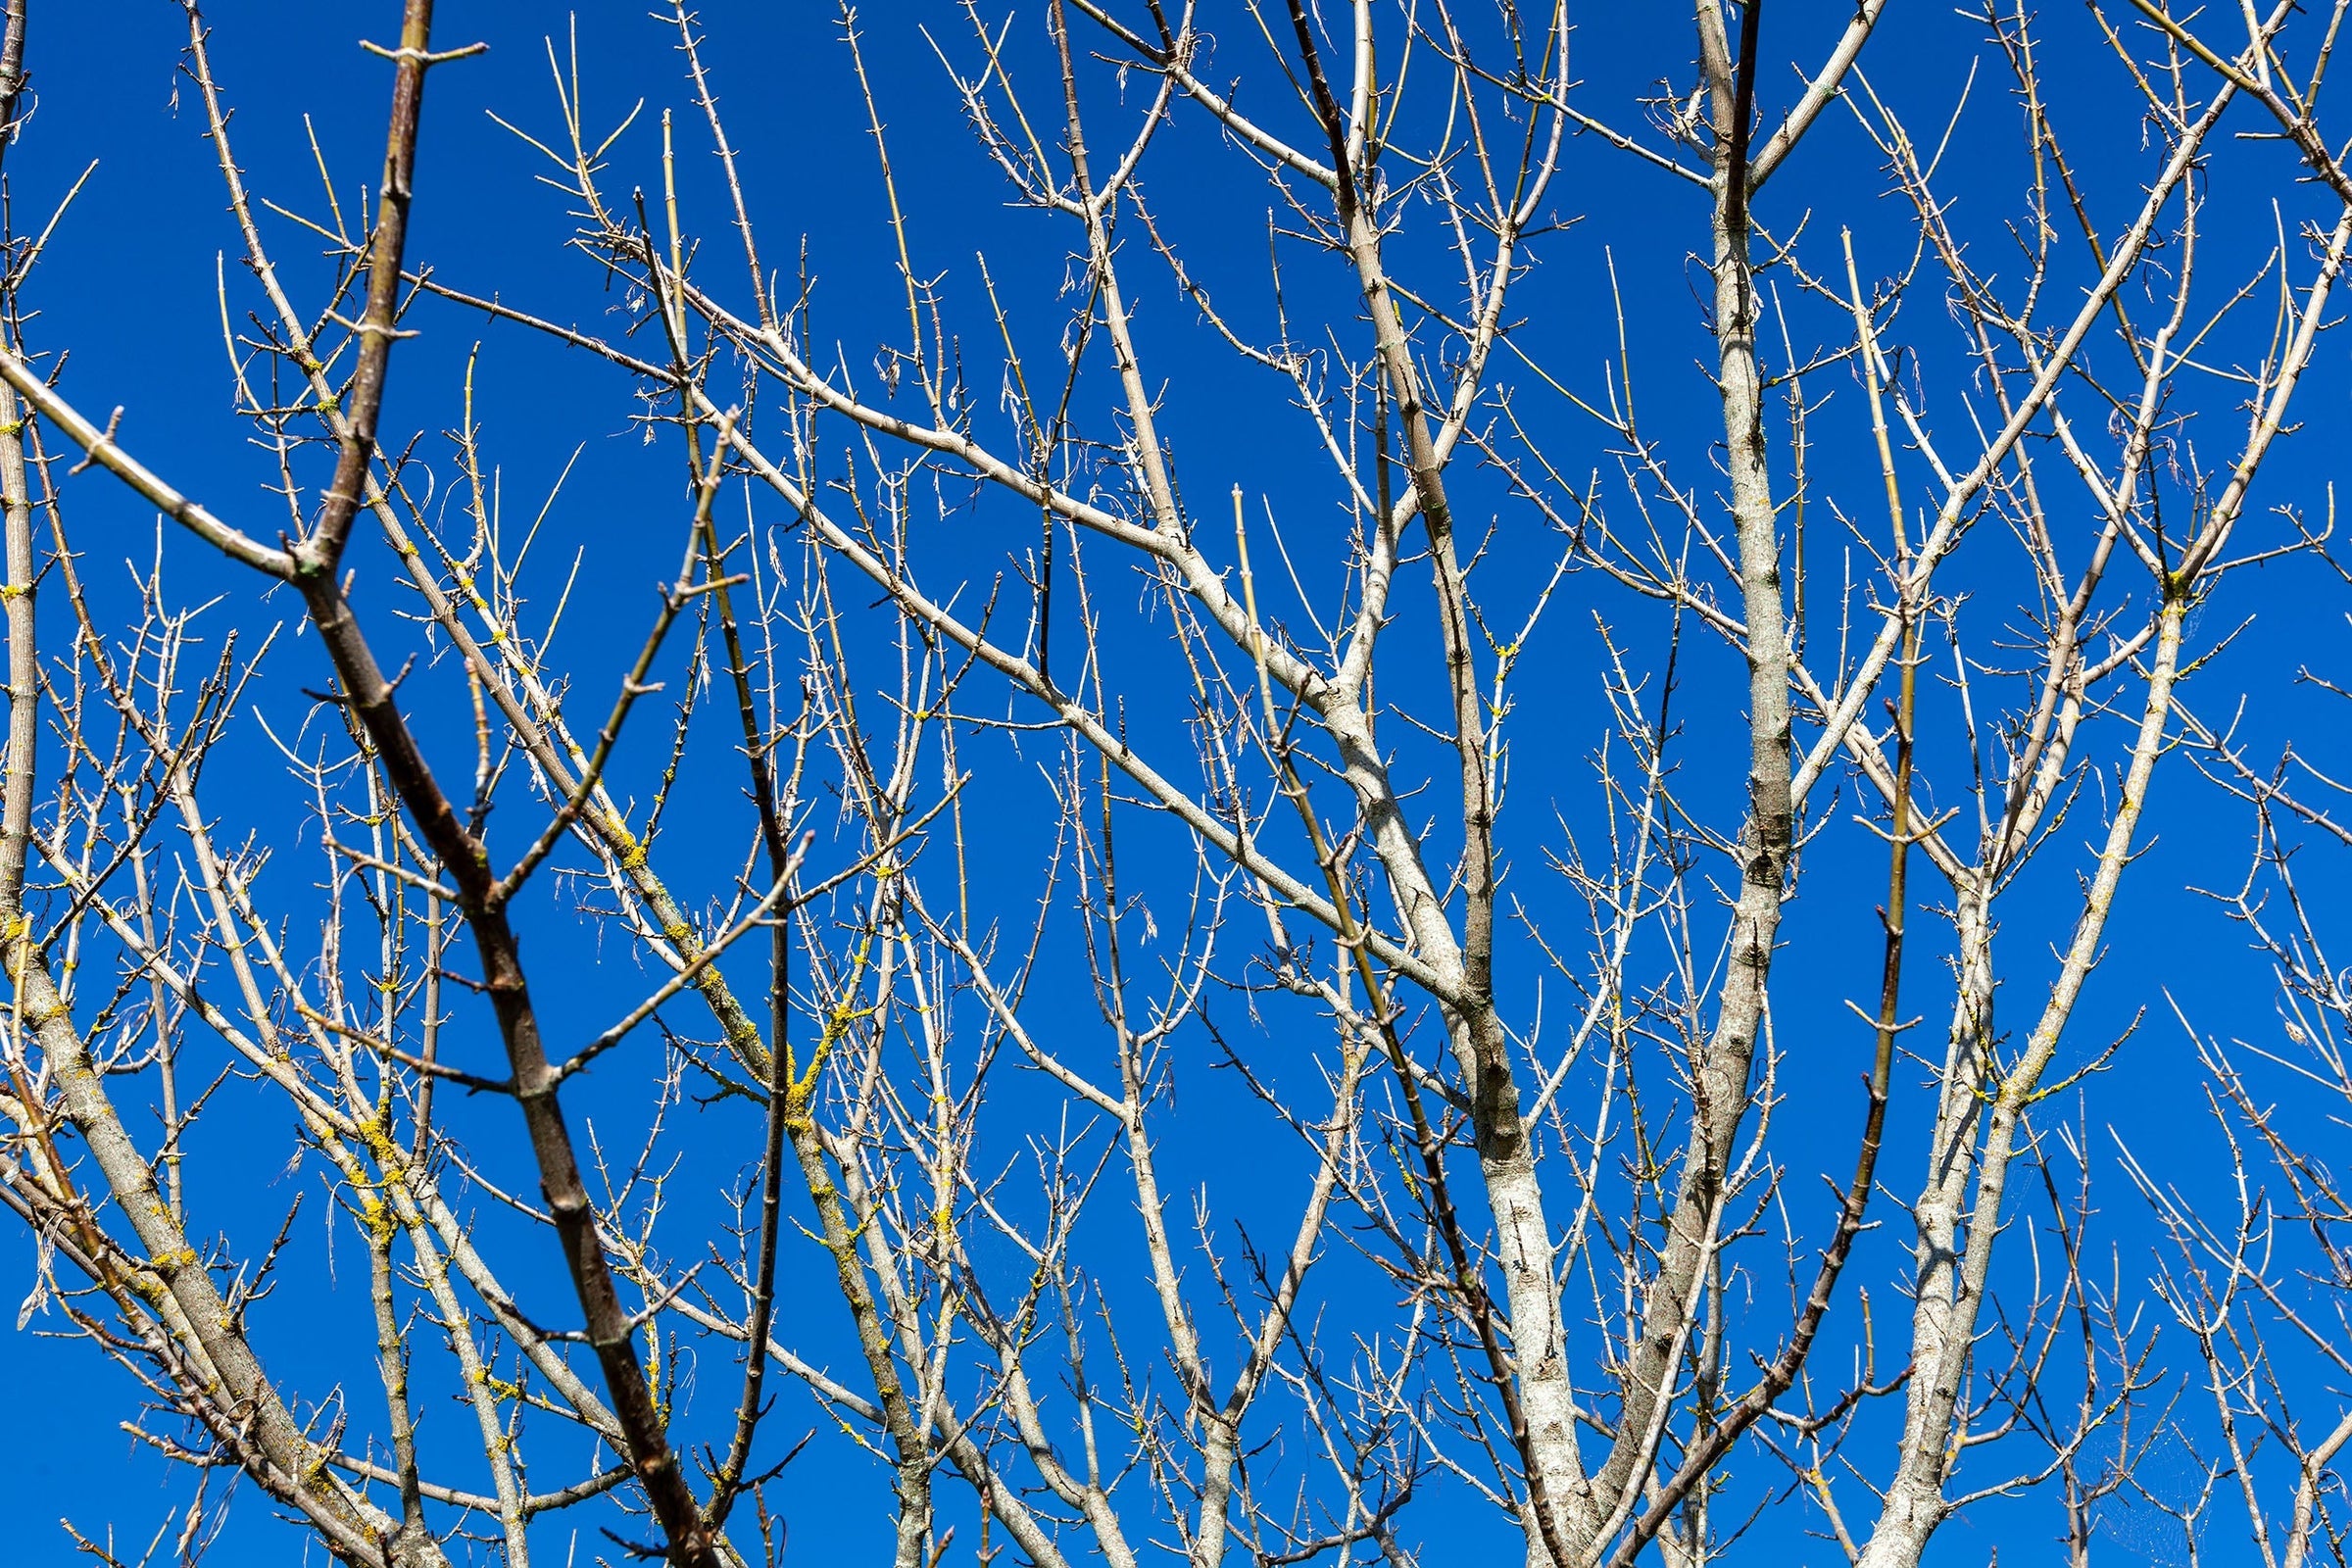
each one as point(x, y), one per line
point(130, 286)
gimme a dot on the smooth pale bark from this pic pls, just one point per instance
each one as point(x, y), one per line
point(1721, 1081)
point(1953, 1270)
point(1522, 1238)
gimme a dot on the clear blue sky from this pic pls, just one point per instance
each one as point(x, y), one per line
point(129, 286)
